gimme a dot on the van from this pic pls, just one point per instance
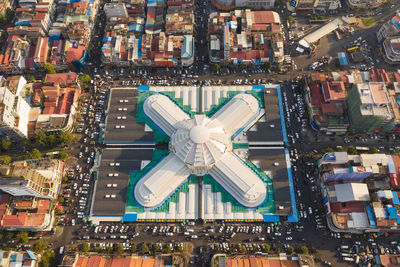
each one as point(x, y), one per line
point(194, 236)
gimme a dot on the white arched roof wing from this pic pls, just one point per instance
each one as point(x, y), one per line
point(239, 181)
point(238, 112)
point(164, 112)
point(161, 181)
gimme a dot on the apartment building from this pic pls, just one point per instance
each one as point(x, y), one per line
point(14, 108)
point(370, 108)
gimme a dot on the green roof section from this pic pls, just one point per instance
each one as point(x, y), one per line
point(240, 145)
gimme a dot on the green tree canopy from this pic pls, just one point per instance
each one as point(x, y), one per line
point(35, 154)
point(133, 248)
point(22, 237)
point(329, 150)
point(351, 150)
point(39, 246)
point(289, 250)
point(85, 78)
point(266, 248)
point(167, 250)
point(63, 156)
point(6, 145)
point(51, 140)
point(301, 250)
point(179, 249)
point(6, 159)
point(49, 68)
point(66, 138)
point(290, 19)
point(110, 249)
point(155, 248)
point(373, 150)
point(41, 138)
point(144, 248)
point(278, 250)
point(119, 249)
point(48, 259)
point(85, 248)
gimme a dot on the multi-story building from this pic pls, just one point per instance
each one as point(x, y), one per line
point(30, 189)
point(310, 6)
point(370, 108)
point(326, 103)
point(34, 178)
point(245, 36)
point(359, 192)
point(14, 108)
point(365, 3)
point(61, 93)
point(254, 4)
point(391, 50)
point(389, 28)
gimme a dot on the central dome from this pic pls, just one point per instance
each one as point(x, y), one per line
point(200, 142)
point(199, 134)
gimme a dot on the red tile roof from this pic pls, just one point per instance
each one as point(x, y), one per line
point(10, 220)
point(346, 207)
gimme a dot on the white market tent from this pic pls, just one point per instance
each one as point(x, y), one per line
point(321, 32)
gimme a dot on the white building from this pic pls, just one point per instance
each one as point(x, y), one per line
point(201, 146)
point(14, 109)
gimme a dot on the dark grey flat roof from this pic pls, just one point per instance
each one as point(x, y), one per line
point(130, 160)
point(266, 133)
point(267, 158)
point(133, 132)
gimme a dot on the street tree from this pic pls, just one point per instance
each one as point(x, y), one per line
point(301, 250)
point(133, 248)
point(144, 248)
point(155, 248)
point(35, 154)
point(22, 237)
point(39, 246)
point(49, 68)
point(119, 249)
point(66, 138)
point(85, 248)
point(6, 145)
point(167, 250)
point(289, 250)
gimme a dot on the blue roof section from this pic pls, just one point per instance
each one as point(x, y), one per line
point(393, 213)
point(31, 255)
point(23, 23)
point(343, 59)
point(143, 88)
point(396, 24)
point(371, 216)
point(278, 89)
point(130, 217)
point(271, 218)
point(395, 198)
point(134, 27)
point(187, 50)
point(294, 217)
point(258, 87)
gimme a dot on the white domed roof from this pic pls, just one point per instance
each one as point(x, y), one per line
point(199, 134)
point(199, 143)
